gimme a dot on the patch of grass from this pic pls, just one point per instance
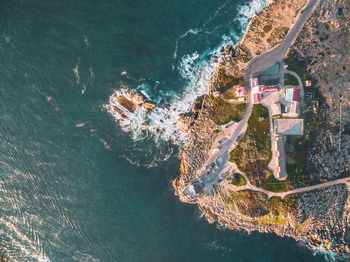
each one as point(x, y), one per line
point(249, 203)
point(238, 180)
point(273, 212)
point(297, 65)
point(230, 93)
point(298, 167)
point(273, 185)
point(222, 112)
point(253, 152)
point(225, 82)
point(290, 80)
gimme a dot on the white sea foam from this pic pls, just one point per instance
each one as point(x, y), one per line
point(195, 67)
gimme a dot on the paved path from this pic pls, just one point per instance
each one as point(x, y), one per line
point(264, 61)
point(270, 194)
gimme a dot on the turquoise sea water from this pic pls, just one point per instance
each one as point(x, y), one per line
point(73, 185)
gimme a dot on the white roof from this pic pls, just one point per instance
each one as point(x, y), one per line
point(289, 94)
point(289, 126)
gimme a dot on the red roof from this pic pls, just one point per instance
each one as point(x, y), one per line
point(269, 88)
point(272, 88)
point(296, 94)
point(256, 98)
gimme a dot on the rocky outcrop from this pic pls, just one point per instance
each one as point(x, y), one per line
point(123, 102)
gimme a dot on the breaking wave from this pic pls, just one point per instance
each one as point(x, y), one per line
point(197, 69)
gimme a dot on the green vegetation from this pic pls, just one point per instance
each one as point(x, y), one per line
point(225, 82)
point(223, 78)
point(229, 93)
point(296, 65)
point(222, 112)
point(238, 180)
point(298, 167)
point(278, 210)
point(253, 152)
point(273, 185)
point(273, 212)
point(249, 203)
point(290, 80)
point(267, 28)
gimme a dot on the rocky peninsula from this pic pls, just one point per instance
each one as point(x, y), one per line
point(267, 149)
point(312, 203)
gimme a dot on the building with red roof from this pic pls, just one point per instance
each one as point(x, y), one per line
point(296, 94)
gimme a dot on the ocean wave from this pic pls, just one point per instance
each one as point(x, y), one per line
point(197, 69)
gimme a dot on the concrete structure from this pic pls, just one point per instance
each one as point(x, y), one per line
point(281, 162)
point(285, 126)
point(276, 109)
point(292, 109)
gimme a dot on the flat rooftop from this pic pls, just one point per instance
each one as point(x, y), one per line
point(281, 159)
point(286, 126)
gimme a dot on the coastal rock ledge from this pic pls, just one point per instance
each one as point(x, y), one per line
point(318, 219)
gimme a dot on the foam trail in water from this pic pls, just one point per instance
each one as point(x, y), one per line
point(195, 67)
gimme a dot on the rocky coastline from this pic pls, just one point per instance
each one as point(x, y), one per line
point(317, 219)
